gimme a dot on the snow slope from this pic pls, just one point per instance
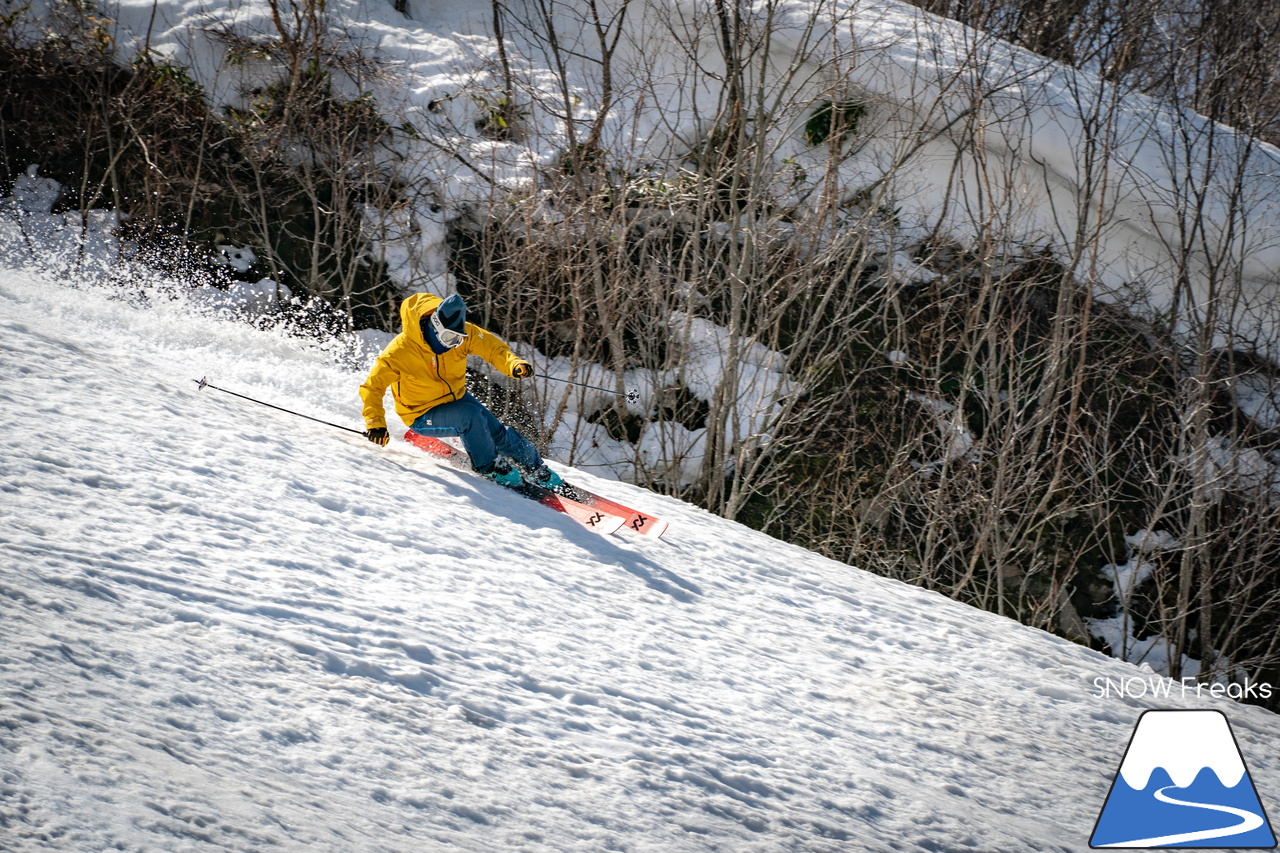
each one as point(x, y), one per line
point(228, 629)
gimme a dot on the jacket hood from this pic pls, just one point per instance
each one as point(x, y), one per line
point(412, 310)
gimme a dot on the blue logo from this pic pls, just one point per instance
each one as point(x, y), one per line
point(1183, 783)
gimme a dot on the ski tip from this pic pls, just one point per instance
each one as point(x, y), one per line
point(605, 526)
point(593, 519)
point(647, 525)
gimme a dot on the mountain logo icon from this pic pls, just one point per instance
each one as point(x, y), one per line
point(1183, 783)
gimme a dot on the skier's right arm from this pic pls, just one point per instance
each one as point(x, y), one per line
point(372, 392)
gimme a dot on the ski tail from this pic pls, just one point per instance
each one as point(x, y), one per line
point(436, 448)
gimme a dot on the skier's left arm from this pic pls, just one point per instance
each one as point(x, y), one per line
point(494, 350)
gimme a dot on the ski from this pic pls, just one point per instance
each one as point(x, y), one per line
point(633, 519)
point(598, 519)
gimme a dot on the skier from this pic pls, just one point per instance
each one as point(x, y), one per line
point(425, 367)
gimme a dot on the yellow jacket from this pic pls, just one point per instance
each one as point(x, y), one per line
point(418, 378)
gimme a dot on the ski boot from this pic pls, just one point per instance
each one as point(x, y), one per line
point(546, 478)
point(502, 472)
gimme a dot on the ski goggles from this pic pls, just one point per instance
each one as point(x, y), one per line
point(447, 337)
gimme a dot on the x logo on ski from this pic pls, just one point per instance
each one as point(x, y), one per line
point(639, 522)
point(595, 519)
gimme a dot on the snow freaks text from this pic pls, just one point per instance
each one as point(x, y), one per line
point(1156, 687)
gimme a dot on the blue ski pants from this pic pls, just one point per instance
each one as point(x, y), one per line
point(482, 434)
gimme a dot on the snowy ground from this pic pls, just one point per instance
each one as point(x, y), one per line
point(228, 629)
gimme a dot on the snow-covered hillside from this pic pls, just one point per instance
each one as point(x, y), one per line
point(962, 131)
point(964, 144)
point(225, 628)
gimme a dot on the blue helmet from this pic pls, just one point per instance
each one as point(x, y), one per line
point(452, 313)
point(446, 327)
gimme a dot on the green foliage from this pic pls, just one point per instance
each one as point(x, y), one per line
point(833, 121)
point(799, 175)
point(170, 81)
point(500, 115)
point(10, 20)
point(244, 51)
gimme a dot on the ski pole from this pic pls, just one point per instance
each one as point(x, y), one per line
point(633, 396)
point(204, 383)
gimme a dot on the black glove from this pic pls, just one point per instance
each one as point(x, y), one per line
point(378, 435)
point(522, 370)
